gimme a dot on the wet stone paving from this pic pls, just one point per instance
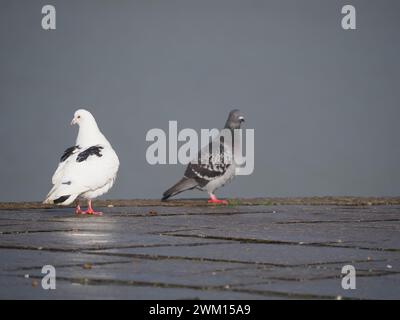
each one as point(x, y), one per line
point(195, 252)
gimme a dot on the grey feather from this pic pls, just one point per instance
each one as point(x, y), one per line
point(182, 185)
point(213, 163)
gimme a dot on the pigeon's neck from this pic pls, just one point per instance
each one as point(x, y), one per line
point(89, 135)
point(237, 144)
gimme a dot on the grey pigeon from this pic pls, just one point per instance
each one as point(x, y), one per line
point(214, 167)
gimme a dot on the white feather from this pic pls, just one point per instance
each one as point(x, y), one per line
point(89, 178)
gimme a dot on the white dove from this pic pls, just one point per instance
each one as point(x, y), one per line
point(86, 170)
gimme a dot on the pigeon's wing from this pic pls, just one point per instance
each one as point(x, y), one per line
point(67, 156)
point(211, 164)
point(87, 170)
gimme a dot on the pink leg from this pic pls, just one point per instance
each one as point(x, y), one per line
point(91, 211)
point(213, 199)
point(78, 209)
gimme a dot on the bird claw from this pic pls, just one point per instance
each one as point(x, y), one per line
point(89, 212)
point(92, 213)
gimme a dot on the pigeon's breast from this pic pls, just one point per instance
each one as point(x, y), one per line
point(221, 180)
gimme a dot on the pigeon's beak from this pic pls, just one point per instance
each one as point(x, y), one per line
point(74, 121)
point(241, 119)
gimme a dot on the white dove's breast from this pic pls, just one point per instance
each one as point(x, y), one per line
point(92, 194)
point(107, 168)
point(94, 175)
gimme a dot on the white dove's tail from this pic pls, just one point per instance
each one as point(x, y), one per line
point(60, 195)
point(182, 185)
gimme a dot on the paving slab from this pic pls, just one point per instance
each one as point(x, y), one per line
point(254, 249)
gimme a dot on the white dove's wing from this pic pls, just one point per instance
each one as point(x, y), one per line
point(84, 171)
point(65, 158)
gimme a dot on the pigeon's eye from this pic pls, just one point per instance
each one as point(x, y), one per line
point(79, 117)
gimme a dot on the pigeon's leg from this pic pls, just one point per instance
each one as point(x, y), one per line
point(213, 199)
point(91, 211)
point(78, 208)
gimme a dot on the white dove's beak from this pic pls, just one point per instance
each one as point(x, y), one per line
point(74, 121)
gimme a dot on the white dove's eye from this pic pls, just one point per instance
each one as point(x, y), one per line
point(79, 117)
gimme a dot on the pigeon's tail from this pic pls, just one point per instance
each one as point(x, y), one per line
point(64, 200)
point(60, 197)
point(182, 185)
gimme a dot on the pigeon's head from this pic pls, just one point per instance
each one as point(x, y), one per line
point(235, 119)
point(82, 116)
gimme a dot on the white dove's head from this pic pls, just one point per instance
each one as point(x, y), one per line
point(82, 116)
point(89, 133)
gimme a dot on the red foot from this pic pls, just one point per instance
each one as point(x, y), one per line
point(217, 201)
point(93, 213)
point(89, 211)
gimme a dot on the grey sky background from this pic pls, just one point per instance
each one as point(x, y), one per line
point(324, 102)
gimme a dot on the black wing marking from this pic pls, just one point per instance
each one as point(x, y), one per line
point(67, 153)
point(210, 165)
point(95, 150)
point(204, 172)
point(61, 199)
